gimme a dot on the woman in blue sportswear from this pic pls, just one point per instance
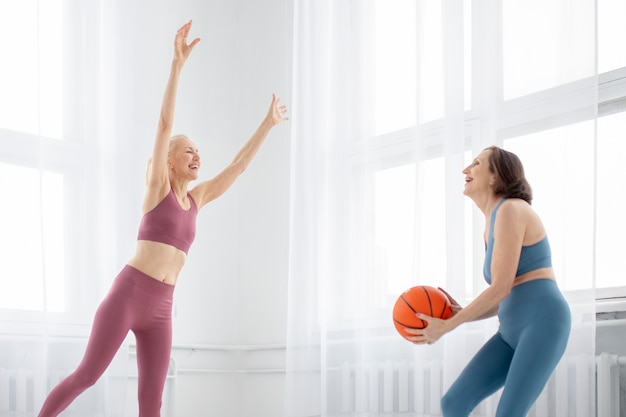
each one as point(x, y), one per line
point(534, 317)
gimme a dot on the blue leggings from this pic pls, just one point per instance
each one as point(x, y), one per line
point(535, 324)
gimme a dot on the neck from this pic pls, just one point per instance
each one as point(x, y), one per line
point(487, 203)
point(179, 187)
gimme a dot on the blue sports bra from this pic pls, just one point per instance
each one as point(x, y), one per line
point(535, 256)
point(169, 223)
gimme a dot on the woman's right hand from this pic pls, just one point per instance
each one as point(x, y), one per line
point(181, 48)
point(456, 307)
point(276, 112)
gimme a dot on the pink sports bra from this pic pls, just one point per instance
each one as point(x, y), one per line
point(169, 223)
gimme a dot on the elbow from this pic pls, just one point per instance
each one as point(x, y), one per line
point(239, 166)
point(164, 126)
point(500, 292)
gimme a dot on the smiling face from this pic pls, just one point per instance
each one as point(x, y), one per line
point(183, 158)
point(479, 178)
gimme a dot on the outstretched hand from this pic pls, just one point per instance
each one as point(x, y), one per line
point(181, 48)
point(276, 113)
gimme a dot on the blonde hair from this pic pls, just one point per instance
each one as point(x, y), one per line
point(172, 146)
point(174, 141)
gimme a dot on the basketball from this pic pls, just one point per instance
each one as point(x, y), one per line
point(421, 299)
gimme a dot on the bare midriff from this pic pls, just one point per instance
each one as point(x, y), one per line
point(541, 273)
point(160, 261)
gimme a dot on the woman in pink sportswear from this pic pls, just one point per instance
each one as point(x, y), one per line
point(140, 298)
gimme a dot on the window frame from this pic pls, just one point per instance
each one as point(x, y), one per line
point(73, 156)
point(70, 160)
point(522, 115)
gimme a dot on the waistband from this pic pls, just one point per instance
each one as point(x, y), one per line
point(532, 298)
point(133, 276)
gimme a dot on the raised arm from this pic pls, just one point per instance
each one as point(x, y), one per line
point(157, 177)
point(207, 191)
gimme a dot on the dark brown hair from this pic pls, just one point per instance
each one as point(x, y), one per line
point(510, 180)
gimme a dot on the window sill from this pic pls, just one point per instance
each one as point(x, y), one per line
point(612, 305)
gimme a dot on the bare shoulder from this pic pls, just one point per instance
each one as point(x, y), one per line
point(512, 217)
point(512, 209)
point(516, 206)
point(198, 194)
point(518, 212)
point(515, 213)
point(154, 195)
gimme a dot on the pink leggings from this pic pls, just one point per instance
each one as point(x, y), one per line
point(135, 302)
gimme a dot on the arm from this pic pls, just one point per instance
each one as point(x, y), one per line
point(508, 237)
point(157, 175)
point(456, 307)
point(491, 313)
point(208, 191)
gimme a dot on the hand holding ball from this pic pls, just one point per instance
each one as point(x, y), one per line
point(421, 299)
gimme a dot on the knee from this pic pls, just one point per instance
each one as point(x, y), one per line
point(450, 407)
point(446, 405)
point(84, 378)
point(150, 407)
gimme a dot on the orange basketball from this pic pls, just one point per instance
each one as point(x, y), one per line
point(421, 299)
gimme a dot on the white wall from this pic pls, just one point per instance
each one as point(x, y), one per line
point(230, 301)
point(232, 274)
point(226, 293)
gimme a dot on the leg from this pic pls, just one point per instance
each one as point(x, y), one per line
point(535, 358)
point(483, 376)
point(153, 359)
point(108, 332)
point(538, 328)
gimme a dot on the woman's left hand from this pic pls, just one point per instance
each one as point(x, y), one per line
point(431, 333)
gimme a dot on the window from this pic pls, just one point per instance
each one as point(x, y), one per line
point(31, 38)
point(33, 261)
point(570, 160)
point(394, 201)
point(559, 166)
point(34, 171)
point(611, 33)
point(534, 49)
point(611, 227)
point(403, 67)
point(395, 65)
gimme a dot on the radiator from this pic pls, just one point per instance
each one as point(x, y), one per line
point(608, 384)
point(21, 391)
point(388, 387)
point(416, 388)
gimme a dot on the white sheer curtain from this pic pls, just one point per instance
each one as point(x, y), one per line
point(392, 98)
point(64, 111)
